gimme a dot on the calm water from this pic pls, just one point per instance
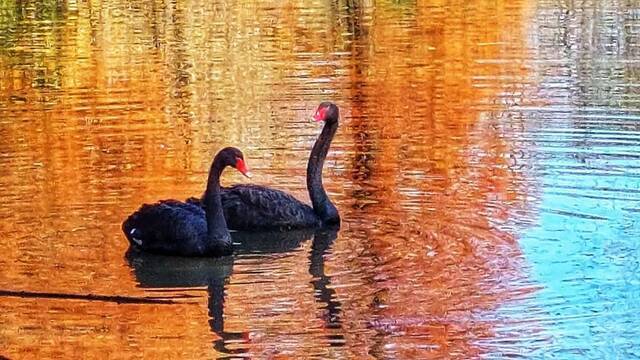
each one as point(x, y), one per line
point(486, 170)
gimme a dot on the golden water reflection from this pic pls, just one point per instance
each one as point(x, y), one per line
point(108, 104)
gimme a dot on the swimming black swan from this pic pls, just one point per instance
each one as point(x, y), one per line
point(254, 207)
point(172, 227)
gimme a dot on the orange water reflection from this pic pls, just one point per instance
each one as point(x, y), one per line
point(431, 173)
point(105, 105)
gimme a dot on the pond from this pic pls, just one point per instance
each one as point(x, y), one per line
point(485, 169)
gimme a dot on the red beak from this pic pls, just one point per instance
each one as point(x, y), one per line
point(242, 167)
point(319, 115)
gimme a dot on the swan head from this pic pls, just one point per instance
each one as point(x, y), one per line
point(233, 157)
point(327, 111)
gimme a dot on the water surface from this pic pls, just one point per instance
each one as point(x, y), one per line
point(486, 170)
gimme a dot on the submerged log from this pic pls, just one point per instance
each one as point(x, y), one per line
point(94, 297)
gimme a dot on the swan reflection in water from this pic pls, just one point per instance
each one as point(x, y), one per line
point(170, 272)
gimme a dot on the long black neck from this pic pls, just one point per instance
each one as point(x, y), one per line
point(322, 206)
point(218, 237)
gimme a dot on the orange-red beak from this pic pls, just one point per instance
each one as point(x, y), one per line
point(319, 115)
point(242, 167)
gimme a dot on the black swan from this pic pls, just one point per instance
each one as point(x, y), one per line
point(172, 227)
point(252, 207)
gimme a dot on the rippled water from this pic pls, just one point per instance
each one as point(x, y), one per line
point(486, 170)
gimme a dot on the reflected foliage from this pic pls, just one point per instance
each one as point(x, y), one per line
point(484, 171)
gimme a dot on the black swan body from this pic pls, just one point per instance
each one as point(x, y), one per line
point(251, 207)
point(172, 227)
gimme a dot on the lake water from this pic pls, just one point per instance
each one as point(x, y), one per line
point(486, 171)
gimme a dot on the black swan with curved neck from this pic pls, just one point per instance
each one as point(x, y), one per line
point(172, 227)
point(254, 207)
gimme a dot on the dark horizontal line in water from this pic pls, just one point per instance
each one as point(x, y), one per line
point(92, 297)
point(578, 133)
point(608, 166)
point(577, 126)
point(574, 214)
point(588, 196)
point(586, 153)
point(612, 171)
point(585, 145)
point(555, 185)
point(591, 174)
point(175, 289)
point(573, 109)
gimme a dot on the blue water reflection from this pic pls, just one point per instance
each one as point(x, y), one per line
point(584, 251)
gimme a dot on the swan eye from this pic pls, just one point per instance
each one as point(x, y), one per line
point(132, 233)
